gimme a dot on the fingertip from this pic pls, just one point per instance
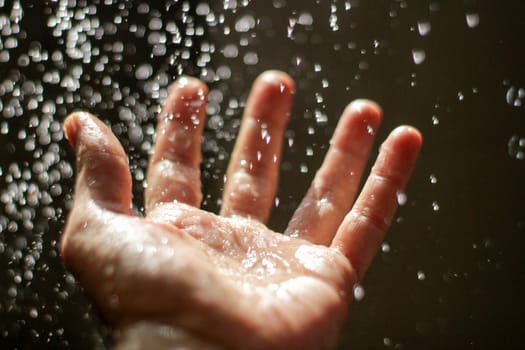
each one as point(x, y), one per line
point(277, 80)
point(188, 87)
point(71, 129)
point(408, 137)
point(83, 127)
point(364, 114)
point(365, 107)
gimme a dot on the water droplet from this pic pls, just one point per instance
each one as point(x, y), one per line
point(385, 247)
point(516, 147)
point(33, 313)
point(144, 71)
point(433, 179)
point(472, 20)
point(514, 96)
point(245, 24)
point(423, 27)
point(435, 206)
point(421, 275)
point(401, 198)
point(359, 292)
point(418, 56)
point(251, 58)
point(305, 19)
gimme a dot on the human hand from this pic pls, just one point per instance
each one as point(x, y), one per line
point(183, 276)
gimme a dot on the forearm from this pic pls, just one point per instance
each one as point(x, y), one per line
point(156, 336)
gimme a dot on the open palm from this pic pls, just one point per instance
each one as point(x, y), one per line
point(227, 281)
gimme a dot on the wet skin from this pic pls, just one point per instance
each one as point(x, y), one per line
point(181, 275)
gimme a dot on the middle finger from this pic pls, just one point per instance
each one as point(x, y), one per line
point(251, 179)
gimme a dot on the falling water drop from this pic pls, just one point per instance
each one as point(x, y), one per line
point(401, 198)
point(421, 275)
point(418, 56)
point(472, 20)
point(423, 28)
point(359, 292)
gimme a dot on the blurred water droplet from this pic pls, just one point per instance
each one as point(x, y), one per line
point(359, 292)
point(435, 206)
point(305, 19)
point(245, 24)
point(385, 247)
point(251, 58)
point(401, 198)
point(515, 96)
point(421, 275)
point(418, 56)
point(33, 313)
point(472, 20)
point(516, 147)
point(423, 27)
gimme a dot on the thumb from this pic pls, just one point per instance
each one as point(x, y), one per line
point(103, 174)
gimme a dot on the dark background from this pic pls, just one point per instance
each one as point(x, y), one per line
point(450, 274)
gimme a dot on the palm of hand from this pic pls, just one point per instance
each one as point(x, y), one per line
point(229, 279)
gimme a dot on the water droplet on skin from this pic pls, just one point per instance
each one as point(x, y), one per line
point(108, 270)
point(359, 292)
point(183, 81)
point(195, 120)
point(370, 130)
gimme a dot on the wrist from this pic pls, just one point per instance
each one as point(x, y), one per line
point(157, 336)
